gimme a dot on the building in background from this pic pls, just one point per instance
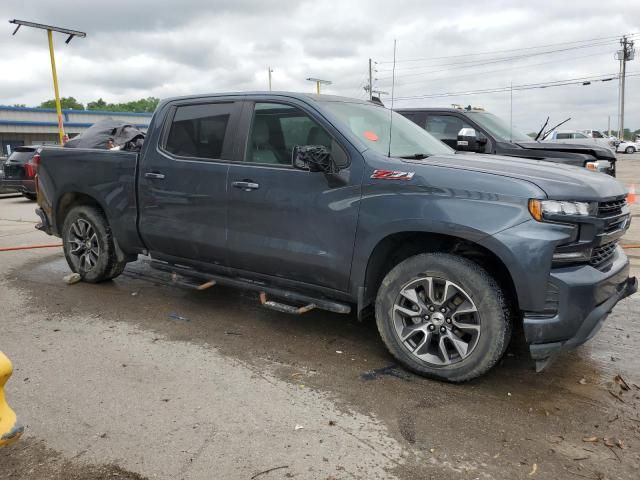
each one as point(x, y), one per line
point(39, 126)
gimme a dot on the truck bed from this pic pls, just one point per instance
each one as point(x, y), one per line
point(106, 175)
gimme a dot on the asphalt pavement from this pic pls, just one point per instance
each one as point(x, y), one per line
point(138, 378)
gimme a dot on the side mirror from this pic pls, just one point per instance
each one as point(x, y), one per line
point(468, 141)
point(314, 158)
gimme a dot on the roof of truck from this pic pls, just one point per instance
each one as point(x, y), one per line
point(296, 95)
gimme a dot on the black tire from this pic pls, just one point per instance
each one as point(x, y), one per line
point(30, 196)
point(492, 312)
point(105, 264)
point(629, 150)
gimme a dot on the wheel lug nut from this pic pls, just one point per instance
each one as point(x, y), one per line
point(432, 309)
point(426, 317)
point(443, 309)
point(432, 327)
point(448, 320)
point(443, 329)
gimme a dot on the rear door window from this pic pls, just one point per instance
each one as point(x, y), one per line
point(202, 131)
point(563, 136)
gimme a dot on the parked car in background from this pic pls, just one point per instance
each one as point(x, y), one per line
point(340, 204)
point(628, 147)
point(19, 171)
point(578, 138)
point(492, 135)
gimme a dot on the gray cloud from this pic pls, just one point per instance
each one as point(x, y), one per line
point(136, 49)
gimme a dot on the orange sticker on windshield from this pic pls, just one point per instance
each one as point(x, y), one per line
point(371, 136)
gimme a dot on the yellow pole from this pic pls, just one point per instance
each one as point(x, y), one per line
point(318, 88)
point(55, 87)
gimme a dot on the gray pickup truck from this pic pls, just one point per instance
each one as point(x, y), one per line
point(339, 204)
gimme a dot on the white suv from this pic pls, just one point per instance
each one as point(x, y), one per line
point(577, 137)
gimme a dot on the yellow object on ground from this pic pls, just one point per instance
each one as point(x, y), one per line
point(10, 429)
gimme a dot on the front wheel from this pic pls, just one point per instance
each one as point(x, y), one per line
point(89, 246)
point(443, 316)
point(629, 150)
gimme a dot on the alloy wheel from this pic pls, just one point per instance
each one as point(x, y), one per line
point(84, 246)
point(436, 321)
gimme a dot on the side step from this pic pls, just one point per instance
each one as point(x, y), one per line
point(208, 280)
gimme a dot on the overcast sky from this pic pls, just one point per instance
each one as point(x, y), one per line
point(143, 48)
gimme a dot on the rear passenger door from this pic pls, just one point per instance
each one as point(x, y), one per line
point(183, 180)
point(288, 223)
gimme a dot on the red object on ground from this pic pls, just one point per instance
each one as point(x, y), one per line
point(29, 247)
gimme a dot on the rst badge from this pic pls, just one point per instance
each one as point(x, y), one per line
point(391, 175)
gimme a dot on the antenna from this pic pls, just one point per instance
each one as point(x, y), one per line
point(393, 88)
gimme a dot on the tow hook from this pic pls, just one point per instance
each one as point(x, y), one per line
point(10, 429)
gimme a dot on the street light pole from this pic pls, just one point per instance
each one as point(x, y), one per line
point(50, 29)
point(319, 82)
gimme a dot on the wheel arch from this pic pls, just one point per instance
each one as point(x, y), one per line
point(396, 247)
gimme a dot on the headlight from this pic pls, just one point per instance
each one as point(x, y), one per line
point(541, 209)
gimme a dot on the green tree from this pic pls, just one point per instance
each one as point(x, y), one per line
point(65, 102)
point(99, 104)
point(148, 105)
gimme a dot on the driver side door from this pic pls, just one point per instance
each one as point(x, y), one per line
point(293, 225)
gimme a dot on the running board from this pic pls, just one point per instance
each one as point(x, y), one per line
point(207, 280)
point(283, 307)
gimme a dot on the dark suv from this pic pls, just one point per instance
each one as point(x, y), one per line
point(485, 132)
point(19, 172)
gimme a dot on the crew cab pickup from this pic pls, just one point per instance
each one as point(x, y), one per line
point(339, 204)
point(477, 130)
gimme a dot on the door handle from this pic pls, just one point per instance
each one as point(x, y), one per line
point(246, 185)
point(154, 175)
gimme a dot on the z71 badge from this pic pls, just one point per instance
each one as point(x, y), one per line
point(391, 175)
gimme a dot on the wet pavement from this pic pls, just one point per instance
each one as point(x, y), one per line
point(138, 378)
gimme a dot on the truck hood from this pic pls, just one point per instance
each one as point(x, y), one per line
point(595, 150)
point(561, 182)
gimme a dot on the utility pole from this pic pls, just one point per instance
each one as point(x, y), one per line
point(270, 72)
point(50, 29)
point(627, 53)
point(370, 89)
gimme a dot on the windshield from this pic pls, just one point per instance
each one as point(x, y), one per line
point(499, 128)
point(370, 123)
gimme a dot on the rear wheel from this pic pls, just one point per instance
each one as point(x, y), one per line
point(629, 150)
point(443, 316)
point(88, 245)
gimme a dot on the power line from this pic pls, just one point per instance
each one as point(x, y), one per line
point(529, 86)
point(476, 63)
point(485, 72)
point(509, 50)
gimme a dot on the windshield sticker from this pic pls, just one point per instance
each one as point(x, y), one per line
point(391, 175)
point(369, 135)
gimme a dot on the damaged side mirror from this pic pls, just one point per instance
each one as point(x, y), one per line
point(314, 158)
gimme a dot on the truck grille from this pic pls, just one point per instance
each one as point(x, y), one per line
point(614, 207)
point(602, 253)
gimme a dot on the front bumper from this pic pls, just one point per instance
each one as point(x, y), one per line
point(584, 297)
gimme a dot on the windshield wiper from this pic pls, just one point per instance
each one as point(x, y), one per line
point(415, 156)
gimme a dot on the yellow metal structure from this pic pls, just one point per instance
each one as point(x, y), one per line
point(55, 87)
point(10, 429)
